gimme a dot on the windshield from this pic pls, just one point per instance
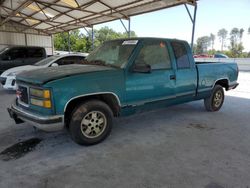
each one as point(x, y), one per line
point(113, 53)
point(46, 61)
point(3, 50)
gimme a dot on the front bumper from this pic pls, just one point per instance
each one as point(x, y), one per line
point(46, 123)
point(233, 86)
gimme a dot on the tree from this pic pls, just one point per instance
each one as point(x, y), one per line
point(236, 46)
point(61, 41)
point(222, 34)
point(106, 33)
point(212, 39)
point(236, 36)
point(241, 33)
point(202, 44)
point(78, 41)
point(82, 43)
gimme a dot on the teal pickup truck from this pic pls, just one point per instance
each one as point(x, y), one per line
point(119, 78)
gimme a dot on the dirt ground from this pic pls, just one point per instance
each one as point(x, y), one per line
point(180, 146)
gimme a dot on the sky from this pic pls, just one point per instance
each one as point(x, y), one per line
point(212, 15)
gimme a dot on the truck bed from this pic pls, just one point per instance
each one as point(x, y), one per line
point(210, 72)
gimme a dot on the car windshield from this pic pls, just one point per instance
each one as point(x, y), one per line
point(113, 53)
point(3, 50)
point(46, 61)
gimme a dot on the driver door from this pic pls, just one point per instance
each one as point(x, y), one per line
point(157, 85)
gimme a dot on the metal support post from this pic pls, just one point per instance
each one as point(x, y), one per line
point(92, 37)
point(124, 26)
point(129, 32)
point(25, 37)
point(69, 42)
point(193, 20)
point(126, 29)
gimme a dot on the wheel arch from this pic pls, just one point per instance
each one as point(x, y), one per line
point(223, 82)
point(111, 99)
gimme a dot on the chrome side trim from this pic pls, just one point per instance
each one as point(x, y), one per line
point(185, 93)
point(160, 99)
point(148, 101)
point(91, 94)
point(205, 89)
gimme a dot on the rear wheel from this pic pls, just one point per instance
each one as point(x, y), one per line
point(215, 101)
point(91, 122)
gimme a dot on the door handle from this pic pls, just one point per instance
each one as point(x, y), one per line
point(172, 77)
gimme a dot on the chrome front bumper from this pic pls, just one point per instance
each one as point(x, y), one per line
point(46, 123)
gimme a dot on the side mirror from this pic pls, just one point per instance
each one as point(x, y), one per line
point(54, 65)
point(141, 68)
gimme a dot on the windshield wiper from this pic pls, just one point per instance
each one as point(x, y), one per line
point(98, 62)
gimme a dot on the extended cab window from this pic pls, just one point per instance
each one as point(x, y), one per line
point(15, 53)
point(181, 55)
point(34, 52)
point(155, 54)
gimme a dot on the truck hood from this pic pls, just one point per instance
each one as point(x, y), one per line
point(44, 75)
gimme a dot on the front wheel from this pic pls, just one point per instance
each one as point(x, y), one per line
point(215, 101)
point(91, 122)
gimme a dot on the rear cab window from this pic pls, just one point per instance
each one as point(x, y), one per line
point(181, 55)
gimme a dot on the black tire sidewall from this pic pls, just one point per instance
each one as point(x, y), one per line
point(80, 112)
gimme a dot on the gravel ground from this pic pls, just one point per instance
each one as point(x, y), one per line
point(180, 146)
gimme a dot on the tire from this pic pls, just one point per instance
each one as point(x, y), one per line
point(215, 101)
point(91, 123)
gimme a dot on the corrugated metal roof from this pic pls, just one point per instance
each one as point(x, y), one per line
point(53, 16)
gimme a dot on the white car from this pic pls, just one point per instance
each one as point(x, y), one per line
point(8, 77)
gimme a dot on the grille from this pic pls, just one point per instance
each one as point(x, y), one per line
point(23, 94)
point(2, 80)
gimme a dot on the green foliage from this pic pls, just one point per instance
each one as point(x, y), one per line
point(236, 46)
point(82, 43)
point(236, 36)
point(202, 44)
point(78, 41)
point(61, 41)
point(106, 33)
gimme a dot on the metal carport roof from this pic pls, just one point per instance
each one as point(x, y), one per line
point(54, 16)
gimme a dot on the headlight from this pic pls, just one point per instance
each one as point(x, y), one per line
point(40, 93)
point(40, 102)
point(40, 97)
